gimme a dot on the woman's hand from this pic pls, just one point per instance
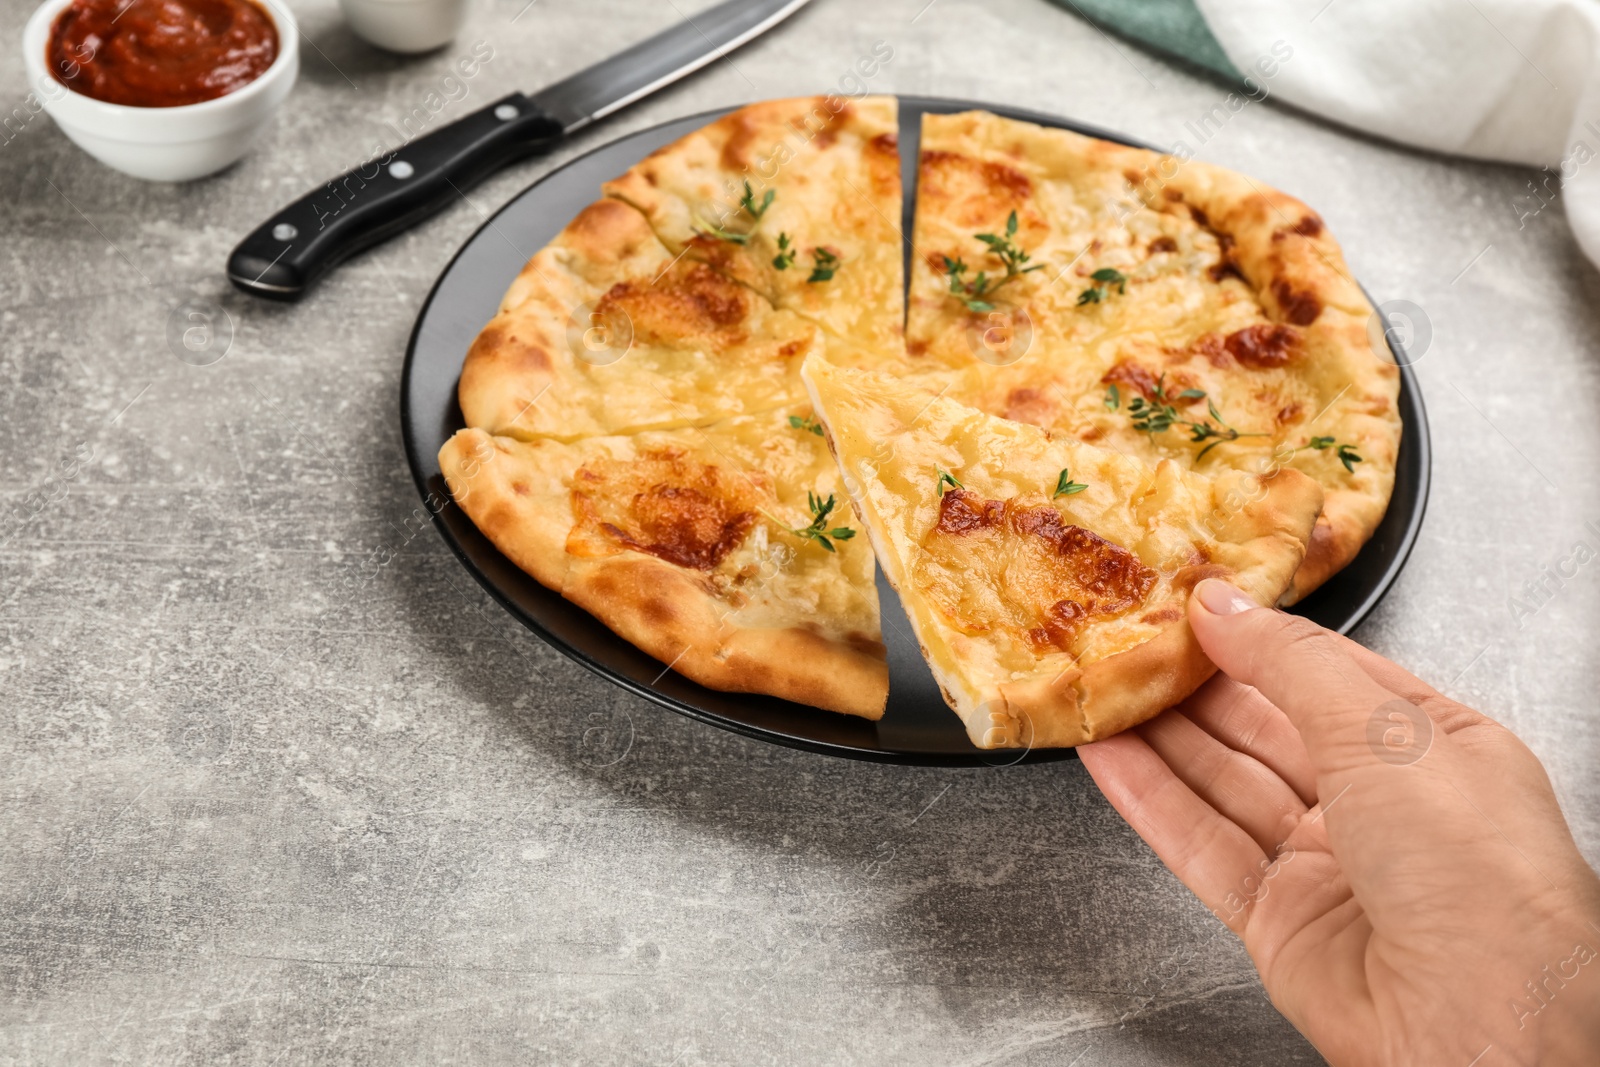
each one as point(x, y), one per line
point(1395, 862)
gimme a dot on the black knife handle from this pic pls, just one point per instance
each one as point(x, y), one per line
point(290, 251)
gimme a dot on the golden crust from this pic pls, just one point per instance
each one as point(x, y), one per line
point(760, 611)
point(1081, 705)
point(1232, 288)
point(832, 165)
point(1017, 683)
point(667, 614)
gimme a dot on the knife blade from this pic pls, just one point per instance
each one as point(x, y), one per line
point(284, 256)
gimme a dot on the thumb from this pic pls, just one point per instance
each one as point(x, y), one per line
point(1345, 719)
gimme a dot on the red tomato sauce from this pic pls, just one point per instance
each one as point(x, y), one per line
point(160, 53)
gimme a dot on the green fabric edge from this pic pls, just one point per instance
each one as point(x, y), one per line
point(1174, 28)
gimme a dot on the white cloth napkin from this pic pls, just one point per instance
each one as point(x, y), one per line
point(1510, 80)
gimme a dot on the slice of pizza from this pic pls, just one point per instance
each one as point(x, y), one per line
point(799, 199)
point(1046, 579)
point(1155, 304)
point(724, 552)
point(605, 331)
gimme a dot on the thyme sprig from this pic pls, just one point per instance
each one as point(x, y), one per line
point(1160, 413)
point(786, 252)
point(1107, 277)
point(946, 479)
point(747, 204)
point(808, 422)
point(825, 264)
point(725, 235)
point(1344, 453)
point(974, 293)
point(818, 530)
point(1065, 486)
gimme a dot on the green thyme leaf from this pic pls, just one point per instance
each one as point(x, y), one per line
point(826, 264)
point(1159, 414)
point(785, 257)
point(1113, 398)
point(724, 235)
point(809, 422)
point(1105, 277)
point(976, 293)
point(748, 202)
point(1111, 276)
point(1065, 486)
point(818, 530)
point(946, 479)
point(1345, 454)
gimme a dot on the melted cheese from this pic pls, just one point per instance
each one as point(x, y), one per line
point(1001, 580)
point(1013, 569)
point(1183, 317)
point(832, 167)
point(717, 501)
point(683, 346)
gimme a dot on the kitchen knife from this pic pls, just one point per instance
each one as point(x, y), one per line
point(290, 251)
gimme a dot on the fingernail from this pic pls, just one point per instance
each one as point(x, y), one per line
point(1220, 598)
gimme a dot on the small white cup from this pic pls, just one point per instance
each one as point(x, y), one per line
point(406, 26)
point(164, 144)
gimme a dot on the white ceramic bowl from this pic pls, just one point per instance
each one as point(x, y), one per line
point(406, 26)
point(164, 144)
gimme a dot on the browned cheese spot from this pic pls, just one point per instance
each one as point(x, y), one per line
point(976, 191)
point(1310, 226)
point(663, 503)
point(1056, 577)
point(1133, 376)
point(1264, 345)
point(1029, 405)
point(1300, 308)
point(691, 302)
point(1226, 266)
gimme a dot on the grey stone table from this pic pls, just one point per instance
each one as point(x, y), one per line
point(281, 785)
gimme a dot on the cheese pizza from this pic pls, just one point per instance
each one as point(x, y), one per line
point(1116, 372)
point(722, 551)
point(1047, 579)
point(1163, 307)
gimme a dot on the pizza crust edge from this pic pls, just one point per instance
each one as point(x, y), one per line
point(654, 605)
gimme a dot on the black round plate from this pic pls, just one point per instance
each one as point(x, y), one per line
point(918, 727)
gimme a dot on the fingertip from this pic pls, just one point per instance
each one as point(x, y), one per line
point(1117, 766)
point(1216, 610)
point(1111, 747)
point(1216, 597)
point(1102, 754)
